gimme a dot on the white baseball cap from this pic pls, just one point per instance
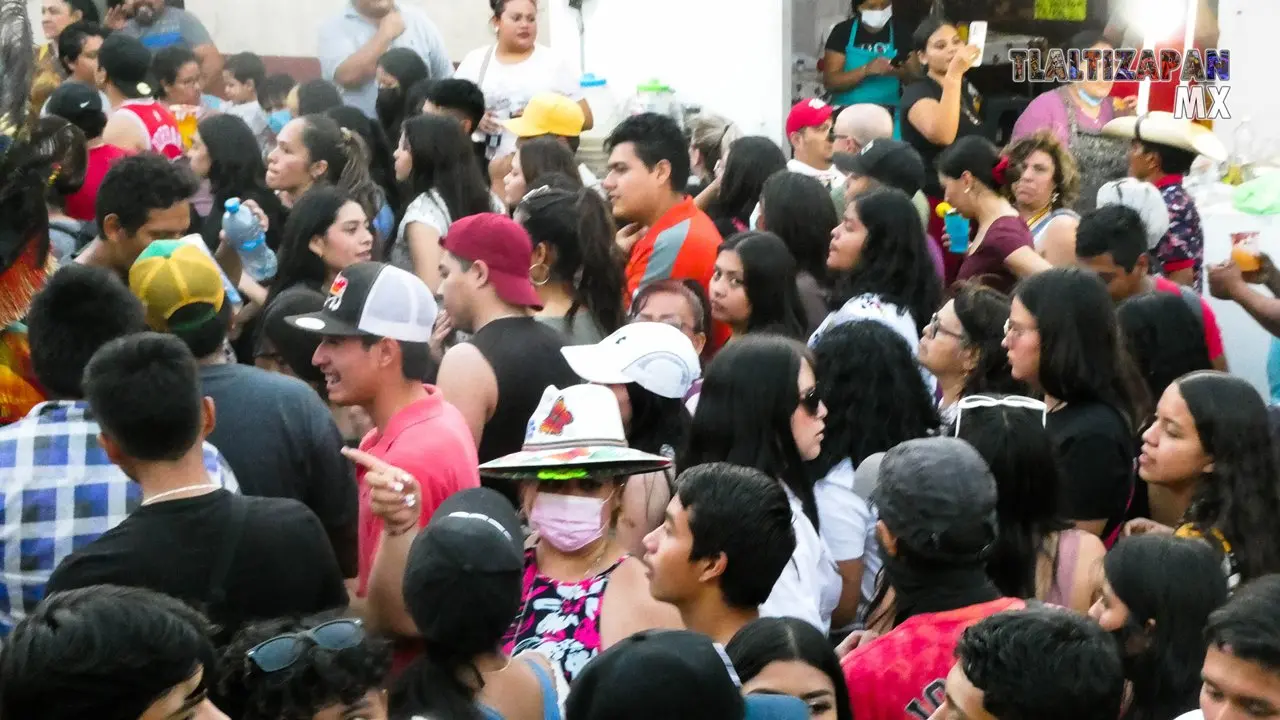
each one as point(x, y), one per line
point(656, 356)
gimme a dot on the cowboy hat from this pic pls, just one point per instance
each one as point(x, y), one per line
point(575, 433)
point(1162, 128)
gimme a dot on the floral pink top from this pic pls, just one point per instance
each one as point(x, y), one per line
point(559, 619)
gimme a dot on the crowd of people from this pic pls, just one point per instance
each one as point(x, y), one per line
point(722, 432)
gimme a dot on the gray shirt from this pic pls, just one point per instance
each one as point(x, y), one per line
point(342, 36)
point(173, 27)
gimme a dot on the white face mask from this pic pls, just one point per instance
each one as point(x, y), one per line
point(877, 18)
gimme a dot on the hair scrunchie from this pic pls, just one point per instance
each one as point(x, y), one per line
point(999, 172)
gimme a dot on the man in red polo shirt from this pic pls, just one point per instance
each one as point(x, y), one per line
point(936, 499)
point(376, 323)
point(668, 236)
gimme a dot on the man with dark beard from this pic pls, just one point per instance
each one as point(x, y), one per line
point(937, 504)
point(158, 26)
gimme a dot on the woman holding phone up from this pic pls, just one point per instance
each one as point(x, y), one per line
point(939, 109)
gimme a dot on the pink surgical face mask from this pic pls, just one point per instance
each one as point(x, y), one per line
point(568, 522)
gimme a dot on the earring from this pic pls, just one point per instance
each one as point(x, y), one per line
point(538, 276)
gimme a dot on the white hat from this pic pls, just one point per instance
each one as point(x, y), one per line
point(1144, 199)
point(1162, 128)
point(575, 432)
point(656, 356)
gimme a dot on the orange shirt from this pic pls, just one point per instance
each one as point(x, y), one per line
point(683, 244)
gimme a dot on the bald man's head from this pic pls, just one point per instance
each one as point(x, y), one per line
point(858, 125)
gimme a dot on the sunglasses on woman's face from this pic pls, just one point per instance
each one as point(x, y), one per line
point(810, 401)
point(282, 651)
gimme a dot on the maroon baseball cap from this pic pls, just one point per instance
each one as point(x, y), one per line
point(504, 247)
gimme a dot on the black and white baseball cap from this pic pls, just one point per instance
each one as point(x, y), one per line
point(376, 300)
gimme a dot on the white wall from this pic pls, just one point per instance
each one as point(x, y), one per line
point(729, 55)
point(290, 27)
point(1247, 27)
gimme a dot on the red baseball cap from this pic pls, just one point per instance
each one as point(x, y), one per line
point(504, 247)
point(808, 113)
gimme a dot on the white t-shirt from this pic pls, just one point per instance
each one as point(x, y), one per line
point(429, 209)
point(256, 118)
point(832, 178)
point(809, 587)
point(874, 307)
point(507, 88)
point(848, 524)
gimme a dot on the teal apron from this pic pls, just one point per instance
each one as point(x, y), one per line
point(881, 90)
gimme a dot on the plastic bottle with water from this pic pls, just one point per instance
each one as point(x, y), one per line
point(246, 236)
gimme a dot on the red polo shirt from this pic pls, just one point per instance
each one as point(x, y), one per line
point(429, 440)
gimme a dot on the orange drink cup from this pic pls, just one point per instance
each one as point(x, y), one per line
point(1244, 251)
point(188, 121)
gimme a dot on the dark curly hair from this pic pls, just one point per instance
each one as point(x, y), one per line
point(895, 262)
point(875, 397)
point(982, 312)
point(1240, 497)
point(318, 679)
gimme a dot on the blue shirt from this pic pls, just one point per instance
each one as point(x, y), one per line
point(58, 493)
point(172, 27)
point(345, 34)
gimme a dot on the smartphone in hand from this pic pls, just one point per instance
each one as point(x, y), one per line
point(978, 38)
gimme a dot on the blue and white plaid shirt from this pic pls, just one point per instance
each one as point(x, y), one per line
point(58, 493)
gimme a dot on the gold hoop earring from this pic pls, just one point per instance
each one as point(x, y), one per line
point(538, 276)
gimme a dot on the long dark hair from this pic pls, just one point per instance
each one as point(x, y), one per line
point(1082, 356)
point(749, 394)
point(769, 640)
point(982, 312)
point(659, 425)
point(1020, 454)
point(409, 69)
point(1170, 586)
point(542, 156)
point(1240, 497)
point(1165, 338)
point(752, 160)
point(314, 213)
point(443, 160)
point(895, 262)
point(873, 391)
point(236, 168)
point(578, 230)
point(769, 277)
point(378, 149)
point(798, 209)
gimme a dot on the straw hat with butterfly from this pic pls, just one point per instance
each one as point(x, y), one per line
point(575, 433)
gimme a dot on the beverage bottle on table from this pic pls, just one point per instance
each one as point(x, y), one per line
point(246, 236)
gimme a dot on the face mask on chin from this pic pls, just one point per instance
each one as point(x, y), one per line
point(568, 522)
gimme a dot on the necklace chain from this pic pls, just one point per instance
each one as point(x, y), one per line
point(175, 491)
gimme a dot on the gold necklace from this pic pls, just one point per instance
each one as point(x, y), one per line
point(1040, 215)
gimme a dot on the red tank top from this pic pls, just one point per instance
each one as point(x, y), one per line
point(161, 126)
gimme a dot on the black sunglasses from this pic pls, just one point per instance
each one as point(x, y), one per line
point(810, 401)
point(282, 651)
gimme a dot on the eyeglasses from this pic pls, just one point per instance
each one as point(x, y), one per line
point(282, 651)
point(1021, 402)
point(1016, 330)
point(811, 401)
point(672, 320)
point(935, 326)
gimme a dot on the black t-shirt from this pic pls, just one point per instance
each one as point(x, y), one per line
point(1095, 450)
point(280, 440)
point(869, 39)
point(970, 124)
point(282, 564)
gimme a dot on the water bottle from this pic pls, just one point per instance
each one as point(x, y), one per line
point(246, 236)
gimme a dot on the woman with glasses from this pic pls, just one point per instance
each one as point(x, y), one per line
point(962, 347)
point(1037, 554)
point(1210, 448)
point(760, 408)
point(1063, 339)
point(880, 267)
point(683, 305)
point(316, 668)
point(877, 400)
point(577, 270)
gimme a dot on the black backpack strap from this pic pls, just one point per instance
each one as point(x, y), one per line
point(230, 541)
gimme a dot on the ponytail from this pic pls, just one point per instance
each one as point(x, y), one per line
point(433, 686)
point(355, 179)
